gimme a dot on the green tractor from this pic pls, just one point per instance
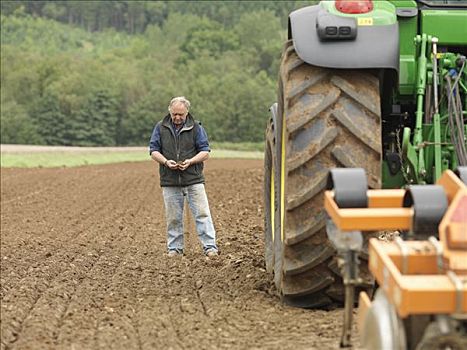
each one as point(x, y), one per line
point(378, 85)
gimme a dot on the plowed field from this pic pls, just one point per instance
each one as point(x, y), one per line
point(83, 266)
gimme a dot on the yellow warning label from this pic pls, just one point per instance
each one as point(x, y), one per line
point(365, 21)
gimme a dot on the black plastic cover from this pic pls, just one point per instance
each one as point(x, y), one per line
point(350, 186)
point(331, 27)
point(429, 203)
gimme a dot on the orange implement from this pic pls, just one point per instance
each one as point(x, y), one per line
point(419, 277)
point(379, 217)
point(385, 211)
point(421, 290)
point(453, 234)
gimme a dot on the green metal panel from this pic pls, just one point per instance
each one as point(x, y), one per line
point(407, 28)
point(383, 13)
point(407, 70)
point(404, 3)
point(407, 33)
point(449, 26)
point(389, 180)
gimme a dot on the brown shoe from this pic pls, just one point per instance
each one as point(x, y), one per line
point(211, 253)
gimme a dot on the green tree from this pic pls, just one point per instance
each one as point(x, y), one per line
point(97, 123)
point(16, 126)
point(51, 124)
point(102, 73)
point(143, 115)
point(230, 99)
point(265, 45)
point(209, 37)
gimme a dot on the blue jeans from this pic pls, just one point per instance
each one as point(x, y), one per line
point(174, 199)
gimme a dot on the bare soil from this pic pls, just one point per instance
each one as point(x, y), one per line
point(84, 266)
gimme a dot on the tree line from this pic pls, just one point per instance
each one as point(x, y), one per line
point(101, 73)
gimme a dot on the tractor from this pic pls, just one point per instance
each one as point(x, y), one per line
point(377, 85)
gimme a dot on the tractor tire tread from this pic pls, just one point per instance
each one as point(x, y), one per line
point(332, 119)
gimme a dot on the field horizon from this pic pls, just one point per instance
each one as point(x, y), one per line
point(39, 156)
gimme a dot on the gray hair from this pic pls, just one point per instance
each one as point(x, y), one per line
point(180, 99)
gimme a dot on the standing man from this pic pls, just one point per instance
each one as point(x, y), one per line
point(180, 145)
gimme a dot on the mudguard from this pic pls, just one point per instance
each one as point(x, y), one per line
point(366, 47)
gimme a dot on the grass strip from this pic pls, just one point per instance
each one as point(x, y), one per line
point(68, 159)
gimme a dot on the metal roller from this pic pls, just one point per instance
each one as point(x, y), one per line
point(350, 186)
point(382, 328)
point(429, 203)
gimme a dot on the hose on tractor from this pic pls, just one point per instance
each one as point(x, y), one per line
point(455, 115)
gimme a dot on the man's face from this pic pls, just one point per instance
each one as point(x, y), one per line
point(178, 114)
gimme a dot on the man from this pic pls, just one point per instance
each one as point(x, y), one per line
point(180, 145)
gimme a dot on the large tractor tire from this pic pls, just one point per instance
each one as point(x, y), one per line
point(326, 118)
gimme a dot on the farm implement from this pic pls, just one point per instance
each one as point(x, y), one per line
point(421, 302)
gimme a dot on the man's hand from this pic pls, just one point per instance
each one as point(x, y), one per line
point(185, 164)
point(171, 164)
